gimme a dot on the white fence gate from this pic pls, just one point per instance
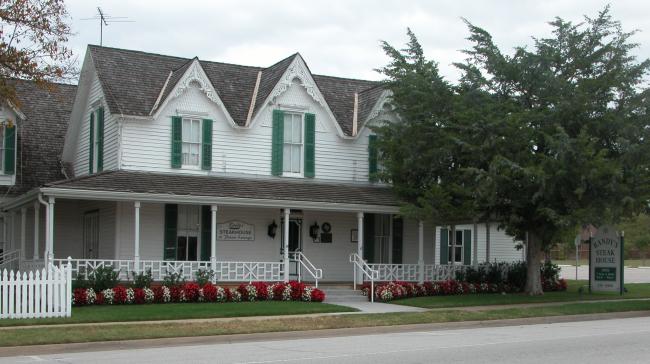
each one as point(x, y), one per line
point(39, 294)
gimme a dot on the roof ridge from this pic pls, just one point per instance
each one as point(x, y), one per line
point(346, 78)
point(379, 85)
point(282, 60)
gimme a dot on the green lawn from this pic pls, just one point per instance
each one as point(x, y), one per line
point(176, 311)
point(69, 334)
point(635, 290)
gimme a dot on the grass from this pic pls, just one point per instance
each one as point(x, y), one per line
point(635, 290)
point(177, 311)
point(53, 335)
point(632, 263)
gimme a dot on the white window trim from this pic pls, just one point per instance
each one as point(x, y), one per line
point(182, 211)
point(300, 174)
point(196, 167)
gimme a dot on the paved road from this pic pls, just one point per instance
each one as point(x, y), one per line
point(593, 342)
point(632, 275)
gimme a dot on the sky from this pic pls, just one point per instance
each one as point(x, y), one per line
point(337, 38)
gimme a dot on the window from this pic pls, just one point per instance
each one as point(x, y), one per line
point(293, 142)
point(2, 148)
point(458, 251)
point(96, 140)
point(188, 232)
point(191, 142)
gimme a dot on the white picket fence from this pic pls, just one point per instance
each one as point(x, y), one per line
point(36, 294)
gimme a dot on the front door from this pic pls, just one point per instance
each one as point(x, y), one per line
point(91, 235)
point(295, 236)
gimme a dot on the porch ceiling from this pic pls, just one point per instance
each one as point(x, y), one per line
point(270, 192)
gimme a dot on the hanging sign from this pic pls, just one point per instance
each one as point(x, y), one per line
point(606, 261)
point(235, 231)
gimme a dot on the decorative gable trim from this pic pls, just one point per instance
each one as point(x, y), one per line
point(298, 69)
point(195, 73)
point(377, 110)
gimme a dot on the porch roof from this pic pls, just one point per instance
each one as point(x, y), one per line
point(241, 191)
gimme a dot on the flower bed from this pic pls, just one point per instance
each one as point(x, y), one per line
point(389, 291)
point(192, 292)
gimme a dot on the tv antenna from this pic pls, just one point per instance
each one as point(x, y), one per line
point(105, 19)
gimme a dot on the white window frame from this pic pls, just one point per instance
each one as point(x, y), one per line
point(458, 244)
point(2, 148)
point(95, 145)
point(301, 117)
point(183, 141)
point(185, 231)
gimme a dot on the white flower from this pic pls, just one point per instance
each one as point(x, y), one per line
point(306, 294)
point(166, 294)
point(148, 295)
point(130, 295)
point(235, 296)
point(90, 296)
point(109, 296)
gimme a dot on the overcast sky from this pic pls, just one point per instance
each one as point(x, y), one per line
point(338, 38)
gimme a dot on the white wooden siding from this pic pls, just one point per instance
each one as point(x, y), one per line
point(146, 143)
point(111, 137)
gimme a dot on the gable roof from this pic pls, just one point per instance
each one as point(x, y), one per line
point(132, 81)
point(41, 135)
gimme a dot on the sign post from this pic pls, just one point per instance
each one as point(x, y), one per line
point(577, 244)
point(606, 261)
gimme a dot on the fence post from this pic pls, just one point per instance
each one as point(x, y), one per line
point(68, 285)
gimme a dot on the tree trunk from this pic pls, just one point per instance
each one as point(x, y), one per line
point(534, 254)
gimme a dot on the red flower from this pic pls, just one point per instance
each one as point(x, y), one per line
point(176, 293)
point(191, 290)
point(119, 295)
point(99, 298)
point(138, 296)
point(209, 292)
point(317, 295)
point(262, 290)
point(296, 290)
point(278, 290)
point(80, 296)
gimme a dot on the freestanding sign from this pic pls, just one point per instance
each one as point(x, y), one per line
point(606, 261)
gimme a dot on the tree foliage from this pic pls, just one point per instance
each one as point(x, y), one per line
point(33, 37)
point(541, 140)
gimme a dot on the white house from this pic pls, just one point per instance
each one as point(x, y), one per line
point(175, 165)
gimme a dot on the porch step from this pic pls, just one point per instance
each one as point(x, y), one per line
point(343, 295)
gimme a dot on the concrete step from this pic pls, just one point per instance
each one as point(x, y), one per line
point(343, 295)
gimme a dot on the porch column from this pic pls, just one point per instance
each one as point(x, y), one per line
point(50, 229)
point(421, 251)
point(359, 277)
point(136, 253)
point(213, 238)
point(23, 227)
point(287, 212)
point(390, 240)
point(37, 215)
point(13, 230)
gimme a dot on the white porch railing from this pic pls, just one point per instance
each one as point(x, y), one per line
point(43, 293)
point(304, 262)
point(366, 270)
point(10, 260)
point(411, 272)
point(226, 271)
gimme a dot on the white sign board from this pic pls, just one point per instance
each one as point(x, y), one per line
point(235, 231)
point(606, 260)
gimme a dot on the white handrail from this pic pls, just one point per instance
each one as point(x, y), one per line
point(8, 258)
point(367, 271)
point(304, 262)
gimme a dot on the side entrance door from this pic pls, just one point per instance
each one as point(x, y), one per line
point(295, 242)
point(91, 235)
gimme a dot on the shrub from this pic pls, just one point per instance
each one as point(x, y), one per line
point(173, 279)
point(142, 279)
point(191, 291)
point(203, 276)
point(119, 295)
point(317, 295)
point(102, 278)
point(80, 282)
point(516, 276)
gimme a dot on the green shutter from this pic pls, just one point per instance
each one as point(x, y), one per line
point(206, 146)
point(372, 158)
point(467, 247)
point(444, 246)
point(91, 143)
point(206, 232)
point(177, 141)
point(277, 143)
point(310, 145)
point(369, 238)
point(100, 139)
point(398, 240)
point(10, 149)
point(171, 237)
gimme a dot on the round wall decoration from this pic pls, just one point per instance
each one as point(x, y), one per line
point(326, 227)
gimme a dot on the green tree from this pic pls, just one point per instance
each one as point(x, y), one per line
point(637, 235)
point(540, 141)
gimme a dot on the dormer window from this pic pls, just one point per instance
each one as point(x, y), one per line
point(293, 144)
point(191, 142)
